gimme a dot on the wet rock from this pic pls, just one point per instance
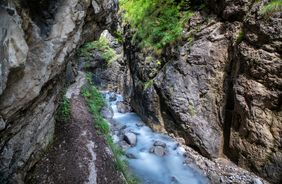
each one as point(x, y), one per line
point(160, 143)
point(123, 107)
point(174, 180)
point(140, 124)
point(257, 181)
point(107, 112)
point(158, 150)
point(113, 97)
point(130, 138)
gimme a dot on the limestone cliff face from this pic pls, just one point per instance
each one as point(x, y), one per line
point(221, 90)
point(37, 41)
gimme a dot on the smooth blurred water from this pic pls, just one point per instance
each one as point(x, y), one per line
point(148, 167)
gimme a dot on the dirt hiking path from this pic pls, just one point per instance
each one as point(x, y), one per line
point(78, 155)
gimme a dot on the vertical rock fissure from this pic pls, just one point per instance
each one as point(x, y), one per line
point(231, 75)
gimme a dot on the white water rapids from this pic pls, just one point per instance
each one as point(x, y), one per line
point(148, 167)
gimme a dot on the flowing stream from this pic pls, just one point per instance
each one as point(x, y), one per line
point(147, 166)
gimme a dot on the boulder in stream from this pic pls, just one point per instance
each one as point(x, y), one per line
point(130, 138)
point(158, 148)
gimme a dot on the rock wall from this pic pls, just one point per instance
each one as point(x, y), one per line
point(219, 88)
point(37, 41)
point(256, 127)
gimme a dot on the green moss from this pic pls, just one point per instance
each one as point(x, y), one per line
point(148, 84)
point(191, 109)
point(157, 22)
point(271, 7)
point(63, 112)
point(159, 62)
point(95, 103)
point(240, 37)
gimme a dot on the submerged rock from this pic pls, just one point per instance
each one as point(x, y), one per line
point(174, 180)
point(130, 156)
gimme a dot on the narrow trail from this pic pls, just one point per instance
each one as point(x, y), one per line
point(78, 155)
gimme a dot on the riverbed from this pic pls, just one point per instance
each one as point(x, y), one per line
point(166, 165)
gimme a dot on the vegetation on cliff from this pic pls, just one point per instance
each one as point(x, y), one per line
point(101, 45)
point(157, 22)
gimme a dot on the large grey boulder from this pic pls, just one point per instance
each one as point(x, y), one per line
point(130, 138)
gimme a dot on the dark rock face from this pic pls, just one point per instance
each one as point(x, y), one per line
point(222, 91)
point(35, 49)
point(256, 132)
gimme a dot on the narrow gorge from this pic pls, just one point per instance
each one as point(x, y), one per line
point(140, 91)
